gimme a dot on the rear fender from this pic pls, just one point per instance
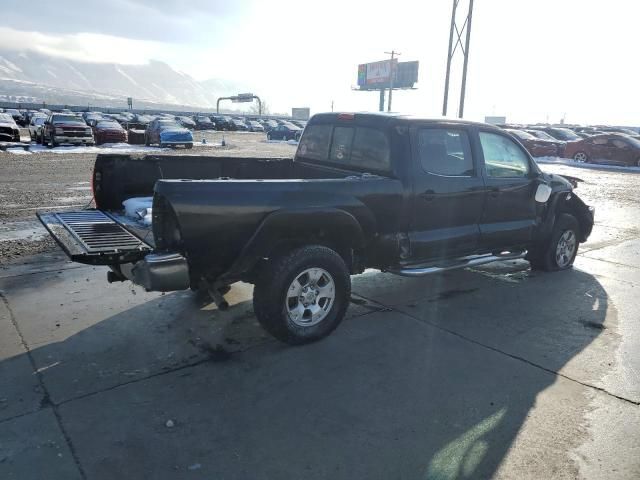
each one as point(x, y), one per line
point(332, 227)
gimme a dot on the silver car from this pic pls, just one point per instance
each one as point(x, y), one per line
point(35, 127)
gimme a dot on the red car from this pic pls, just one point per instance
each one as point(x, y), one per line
point(610, 148)
point(538, 147)
point(109, 131)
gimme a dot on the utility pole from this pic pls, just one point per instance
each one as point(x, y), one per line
point(393, 53)
point(451, 52)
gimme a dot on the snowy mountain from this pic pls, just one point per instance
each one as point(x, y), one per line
point(29, 76)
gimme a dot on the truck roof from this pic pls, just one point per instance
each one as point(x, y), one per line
point(384, 118)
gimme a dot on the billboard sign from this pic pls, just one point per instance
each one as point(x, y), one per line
point(243, 98)
point(377, 75)
point(302, 113)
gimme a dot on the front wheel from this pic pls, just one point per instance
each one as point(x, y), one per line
point(560, 251)
point(581, 157)
point(302, 296)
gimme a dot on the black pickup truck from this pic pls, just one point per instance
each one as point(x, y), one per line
point(391, 192)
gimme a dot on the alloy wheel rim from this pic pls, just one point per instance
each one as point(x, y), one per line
point(580, 157)
point(310, 297)
point(565, 249)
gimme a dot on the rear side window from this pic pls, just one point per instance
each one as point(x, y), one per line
point(503, 158)
point(341, 144)
point(361, 147)
point(315, 142)
point(370, 149)
point(445, 152)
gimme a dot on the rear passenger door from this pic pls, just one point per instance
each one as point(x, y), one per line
point(509, 216)
point(448, 193)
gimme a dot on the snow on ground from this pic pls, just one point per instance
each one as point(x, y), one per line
point(104, 148)
point(290, 142)
point(591, 166)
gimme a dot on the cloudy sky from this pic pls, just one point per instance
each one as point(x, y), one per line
point(530, 61)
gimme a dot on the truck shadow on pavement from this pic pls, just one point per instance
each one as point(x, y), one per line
point(428, 378)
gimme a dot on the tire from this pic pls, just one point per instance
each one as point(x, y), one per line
point(44, 141)
point(53, 143)
point(581, 157)
point(637, 162)
point(551, 256)
point(268, 136)
point(146, 141)
point(188, 145)
point(309, 317)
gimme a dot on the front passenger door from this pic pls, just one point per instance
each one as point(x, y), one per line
point(509, 216)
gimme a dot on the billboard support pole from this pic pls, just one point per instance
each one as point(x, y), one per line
point(466, 61)
point(393, 53)
point(448, 74)
point(451, 52)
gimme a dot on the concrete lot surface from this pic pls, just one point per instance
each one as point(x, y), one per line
point(494, 372)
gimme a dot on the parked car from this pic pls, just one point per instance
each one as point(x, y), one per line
point(109, 131)
point(141, 119)
point(167, 133)
point(254, 126)
point(222, 122)
point(9, 130)
point(269, 125)
point(186, 122)
point(62, 128)
point(564, 134)
point(609, 148)
point(239, 125)
point(284, 131)
point(538, 147)
point(299, 123)
point(400, 194)
point(17, 116)
point(35, 128)
point(204, 123)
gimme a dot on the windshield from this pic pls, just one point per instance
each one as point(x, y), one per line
point(566, 134)
point(4, 117)
point(521, 135)
point(114, 125)
point(67, 118)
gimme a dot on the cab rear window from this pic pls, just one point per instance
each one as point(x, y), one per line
point(362, 148)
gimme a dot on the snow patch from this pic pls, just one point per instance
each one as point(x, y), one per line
point(589, 166)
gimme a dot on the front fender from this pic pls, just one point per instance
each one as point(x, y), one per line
point(312, 224)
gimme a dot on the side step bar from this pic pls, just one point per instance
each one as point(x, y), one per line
point(464, 262)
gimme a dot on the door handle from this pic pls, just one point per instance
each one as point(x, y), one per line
point(427, 195)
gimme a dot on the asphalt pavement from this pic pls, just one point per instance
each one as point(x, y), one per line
point(492, 372)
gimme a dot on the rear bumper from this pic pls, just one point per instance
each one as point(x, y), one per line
point(159, 272)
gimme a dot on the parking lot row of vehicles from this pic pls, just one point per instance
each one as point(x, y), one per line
point(597, 144)
point(119, 127)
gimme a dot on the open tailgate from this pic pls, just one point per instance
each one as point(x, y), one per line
point(94, 237)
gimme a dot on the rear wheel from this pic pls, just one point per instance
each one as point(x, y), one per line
point(560, 251)
point(302, 296)
point(188, 145)
point(45, 143)
point(581, 157)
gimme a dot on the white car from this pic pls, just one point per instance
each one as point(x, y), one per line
point(9, 131)
point(35, 127)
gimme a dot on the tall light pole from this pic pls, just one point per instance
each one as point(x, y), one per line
point(393, 53)
point(452, 50)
